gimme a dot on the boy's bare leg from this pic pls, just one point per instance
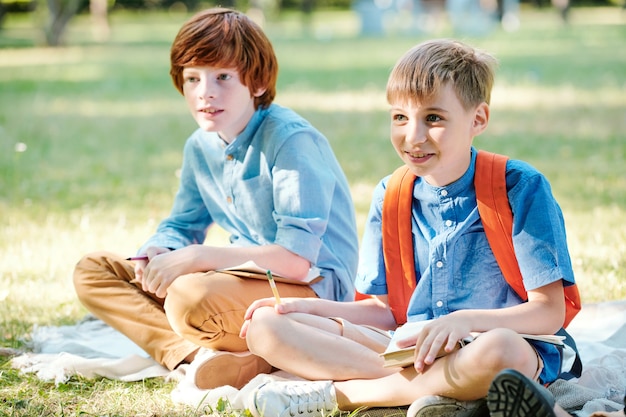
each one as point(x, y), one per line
point(464, 375)
point(308, 346)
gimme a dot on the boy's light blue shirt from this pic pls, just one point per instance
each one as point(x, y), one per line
point(455, 266)
point(278, 182)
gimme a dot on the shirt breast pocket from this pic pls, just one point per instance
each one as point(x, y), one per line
point(475, 268)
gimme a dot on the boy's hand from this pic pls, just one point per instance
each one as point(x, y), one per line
point(140, 264)
point(164, 267)
point(263, 302)
point(287, 305)
point(442, 333)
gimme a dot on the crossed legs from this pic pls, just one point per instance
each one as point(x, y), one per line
point(315, 348)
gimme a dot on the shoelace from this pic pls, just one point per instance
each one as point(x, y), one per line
point(309, 400)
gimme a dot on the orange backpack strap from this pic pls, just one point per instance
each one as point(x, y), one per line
point(398, 241)
point(573, 303)
point(495, 214)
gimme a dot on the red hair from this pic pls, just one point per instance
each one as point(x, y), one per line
point(225, 38)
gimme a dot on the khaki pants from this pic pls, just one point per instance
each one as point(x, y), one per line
point(200, 309)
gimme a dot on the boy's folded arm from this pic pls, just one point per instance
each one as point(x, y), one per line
point(548, 308)
point(543, 313)
point(370, 311)
point(376, 312)
point(274, 257)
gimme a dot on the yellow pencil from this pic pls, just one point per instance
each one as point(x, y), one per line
point(270, 278)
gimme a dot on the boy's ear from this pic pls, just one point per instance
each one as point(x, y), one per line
point(259, 92)
point(481, 118)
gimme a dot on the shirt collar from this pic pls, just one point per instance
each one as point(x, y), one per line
point(459, 186)
point(245, 137)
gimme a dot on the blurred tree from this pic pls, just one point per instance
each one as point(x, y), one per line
point(54, 15)
point(59, 13)
point(15, 6)
point(99, 10)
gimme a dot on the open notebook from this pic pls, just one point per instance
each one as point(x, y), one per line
point(252, 270)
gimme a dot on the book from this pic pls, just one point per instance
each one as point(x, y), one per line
point(402, 357)
point(252, 270)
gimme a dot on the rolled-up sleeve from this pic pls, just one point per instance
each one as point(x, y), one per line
point(303, 192)
point(371, 277)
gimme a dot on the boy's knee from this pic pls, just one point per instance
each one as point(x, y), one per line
point(264, 319)
point(89, 268)
point(504, 348)
point(99, 275)
point(263, 330)
point(201, 303)
point(187, 293)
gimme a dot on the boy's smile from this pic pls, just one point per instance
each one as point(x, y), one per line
point(420, 158)
point(433, 138)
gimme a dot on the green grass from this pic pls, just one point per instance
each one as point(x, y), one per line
point(91, 137)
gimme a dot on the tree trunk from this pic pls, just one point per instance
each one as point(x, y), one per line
point(100, 18)
point(60, 13)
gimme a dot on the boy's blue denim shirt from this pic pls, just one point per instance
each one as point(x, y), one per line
point(455, 267)
point(278, 182)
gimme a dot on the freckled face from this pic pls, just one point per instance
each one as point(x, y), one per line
point(434, 138)
point(217, 99)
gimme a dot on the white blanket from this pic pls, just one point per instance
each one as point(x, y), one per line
point(600, 334)
point(91, 349)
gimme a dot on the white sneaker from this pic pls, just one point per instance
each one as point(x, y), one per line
point(293, 398)
point(438, 406)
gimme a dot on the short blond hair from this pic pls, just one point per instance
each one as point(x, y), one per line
point(423, 70)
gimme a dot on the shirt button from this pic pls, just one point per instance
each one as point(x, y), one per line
point(448, 223)
point(439, 264)
point(229, 200)
point(444, 192)
point(439, 303)
point(229, 157)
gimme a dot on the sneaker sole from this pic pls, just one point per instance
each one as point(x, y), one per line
point(512, 395)
point(453, 410)
point(229, 368)
point(376, 412)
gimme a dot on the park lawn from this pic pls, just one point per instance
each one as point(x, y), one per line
point(91, 137)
